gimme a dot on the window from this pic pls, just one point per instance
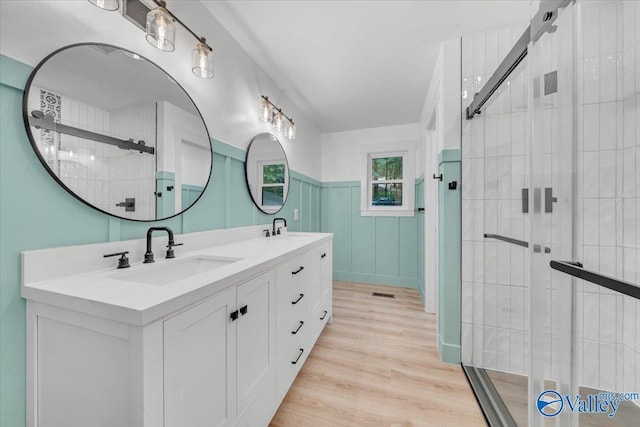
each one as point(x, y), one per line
point(388, 183)
point(272, 184)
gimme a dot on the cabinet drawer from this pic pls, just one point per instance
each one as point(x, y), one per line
point(293, 302)
point(292, 272)
point(289, 369)
point(292, 334)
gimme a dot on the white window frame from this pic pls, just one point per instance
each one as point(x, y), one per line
point(406, 150)
point(261, 165)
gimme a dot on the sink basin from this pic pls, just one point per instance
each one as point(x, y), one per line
point(174, 270)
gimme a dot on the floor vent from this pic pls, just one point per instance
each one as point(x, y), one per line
point(380, 294)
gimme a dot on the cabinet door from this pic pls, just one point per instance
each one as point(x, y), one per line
point(255, 337)
point(199, 364)
point(326, 270)
point(315, 279)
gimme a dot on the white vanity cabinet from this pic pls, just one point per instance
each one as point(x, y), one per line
point(208, 346)
point(225, 358)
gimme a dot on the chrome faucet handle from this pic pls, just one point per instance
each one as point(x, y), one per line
point(268, 233)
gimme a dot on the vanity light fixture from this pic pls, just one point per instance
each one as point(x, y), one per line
point(202, 60)
point(161, 34)
point(110, 5)
point(270, 113)
point(161, 31)
point(290, 131)
point(278, 121)
point(265, 111)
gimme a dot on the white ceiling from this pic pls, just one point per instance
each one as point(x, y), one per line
point(357, 64)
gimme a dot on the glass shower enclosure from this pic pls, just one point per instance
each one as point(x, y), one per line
point(551, 219)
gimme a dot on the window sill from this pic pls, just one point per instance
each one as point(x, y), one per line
point(387, 212)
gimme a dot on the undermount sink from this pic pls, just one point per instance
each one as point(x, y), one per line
point(174, 270)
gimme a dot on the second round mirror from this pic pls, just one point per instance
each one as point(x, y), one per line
point(267, 173)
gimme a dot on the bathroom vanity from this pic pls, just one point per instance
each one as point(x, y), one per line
point(213, 337)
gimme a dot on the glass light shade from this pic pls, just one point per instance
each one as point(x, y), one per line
point(265, 112)
point(290, 132)
point(278, 121)
point(202, 61)
point(110, 5)
point(161, 31)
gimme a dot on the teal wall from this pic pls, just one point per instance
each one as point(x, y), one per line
point(449, 256)
point(38, 213)
point(380, 250)
point(166, 204)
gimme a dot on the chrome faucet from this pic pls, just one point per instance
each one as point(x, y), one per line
point(273, 232)
point(148, 255)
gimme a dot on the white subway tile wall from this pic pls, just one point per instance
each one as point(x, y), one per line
point(495, 304)
point(494, 323)
point(608, 203)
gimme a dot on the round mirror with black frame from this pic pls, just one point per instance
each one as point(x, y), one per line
point(267, 172)
point(117, 132)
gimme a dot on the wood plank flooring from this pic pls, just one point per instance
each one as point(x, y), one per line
point(377, 364)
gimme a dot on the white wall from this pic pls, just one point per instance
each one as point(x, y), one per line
point(439, 129)
point(228, 102)
point(341, 155)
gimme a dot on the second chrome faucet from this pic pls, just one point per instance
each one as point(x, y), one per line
point(148, 255)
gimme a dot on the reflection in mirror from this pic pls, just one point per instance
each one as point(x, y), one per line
point(117, 132)
point(267, 173)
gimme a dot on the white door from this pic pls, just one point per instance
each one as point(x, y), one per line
point(199, 364)
point(255, 327)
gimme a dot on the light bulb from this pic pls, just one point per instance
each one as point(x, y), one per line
point(278, 121)
point(110, 5)
point(290, 132)
point(202, 61)
point(161, 31)
point(93, 157)
point(265, 112)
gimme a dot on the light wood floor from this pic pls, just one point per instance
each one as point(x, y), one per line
point(377, 364)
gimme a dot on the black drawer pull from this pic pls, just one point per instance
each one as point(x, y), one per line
point(299, 326)
point(298, 300)
point(299, 356)
point(234, 315)
point(243, 310)
point(324, 315)
point(298, 270)
point(323, 255)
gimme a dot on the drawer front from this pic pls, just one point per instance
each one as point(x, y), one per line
point(294, 333)
point(319, 319)
point(292, 272)
point(294, 302)
point(288, 370)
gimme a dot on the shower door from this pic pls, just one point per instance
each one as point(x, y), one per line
point(584, 334)
point(552, 196)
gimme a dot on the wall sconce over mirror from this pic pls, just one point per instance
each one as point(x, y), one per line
point(270, 113)
point(117, 132)
point(267, 173)
point(160, 28)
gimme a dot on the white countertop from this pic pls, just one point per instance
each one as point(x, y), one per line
point(108, 293)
